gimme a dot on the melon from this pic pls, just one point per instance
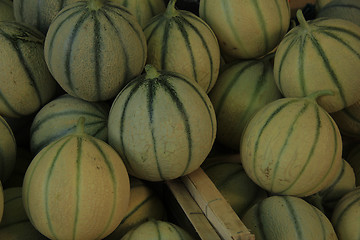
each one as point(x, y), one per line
point(241, 89)
point(322, 54)
point(247, 29)
point(292, 146)
point(25, 81)
point(344, 9)
point(179, 41)
point(77, 187)
point(346, 216)
point(92, 48)
point(348, 120)
point(157, 229)
point(288, 217)
point(6, 10)
point(162, 124)
point(38, 14)
point(144, 10)
point(7, 150)
point(61, 116)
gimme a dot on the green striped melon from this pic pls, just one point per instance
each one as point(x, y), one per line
point(327, 198)
point(241, 89)
point(344, 9)
point(157, 229)
point(25, 81)
point(21, 231)
point(144, 204)
point(162, 124)
point(144, 10)
point(37, 13)
point(6, 10)
point(247, 29)
point(353, 159)
point(231, 180)
point(288, 142)
point(77, 187)
point(93, 48)
point(320, 54)
point(61, 116)
point(7, 150)
point(348, 120)
point(288, 217)
point(346, 216)
point(179, 41)
point(2, 204)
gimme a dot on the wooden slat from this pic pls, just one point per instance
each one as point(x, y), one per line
point(191, 209)
point(218, 211)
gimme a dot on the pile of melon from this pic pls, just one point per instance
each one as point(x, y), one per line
point(102, 100)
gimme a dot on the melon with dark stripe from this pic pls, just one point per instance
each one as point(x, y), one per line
point(162, 124)
point(7, 150)
point(344, 9)
point(6, 10)
point(320, 54)
point(247, 29)
point(348, 120)
point(144, 10)
point(25, 81)
point(326, 199)
point(77, 187)
point(38, 14)
point(180, 41)
point(346, 216)
point(144, 204)
point(156, 229)
point(288, 217)
point(231, 180)
point(93, 48)
point(61, 116)
point(241, 89)
point(289, 141)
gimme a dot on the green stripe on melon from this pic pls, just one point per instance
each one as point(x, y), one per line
point(117, 43)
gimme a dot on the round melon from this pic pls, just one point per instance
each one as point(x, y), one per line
point(77, 187)
point(144, 10)
point(180, 41)
point(288, 142)
point(343, 9)
point(348, 120)
point(7, 150)
point(162, 124)
point(157, 229)
point(61, 116)
point(288, 217)
point(93, 48)
point(346, 216)
point(231, 180)
point(6, 10)
point(353, 159)
point(247, 29)
point(25, 81)
point(241, 89)
point(322, 54)
point(144, 204)
point(38, 14)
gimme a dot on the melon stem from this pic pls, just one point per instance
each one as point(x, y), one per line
point(94, 5)
point(315, 95)
point(170, 9)
point(300, 17)
point(80, 126)
point(151, 72)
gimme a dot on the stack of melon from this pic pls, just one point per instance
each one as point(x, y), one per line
point(107, 96)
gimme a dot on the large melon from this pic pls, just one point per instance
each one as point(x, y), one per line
point(247, 29)
point(179, 41)
point(162, 124)
point(25, 81)
point(292, 147)
point(77, 187)
point(7, 150)
point(59, 118)
point(37, 13)
point(93, 48)
point(322, 54)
